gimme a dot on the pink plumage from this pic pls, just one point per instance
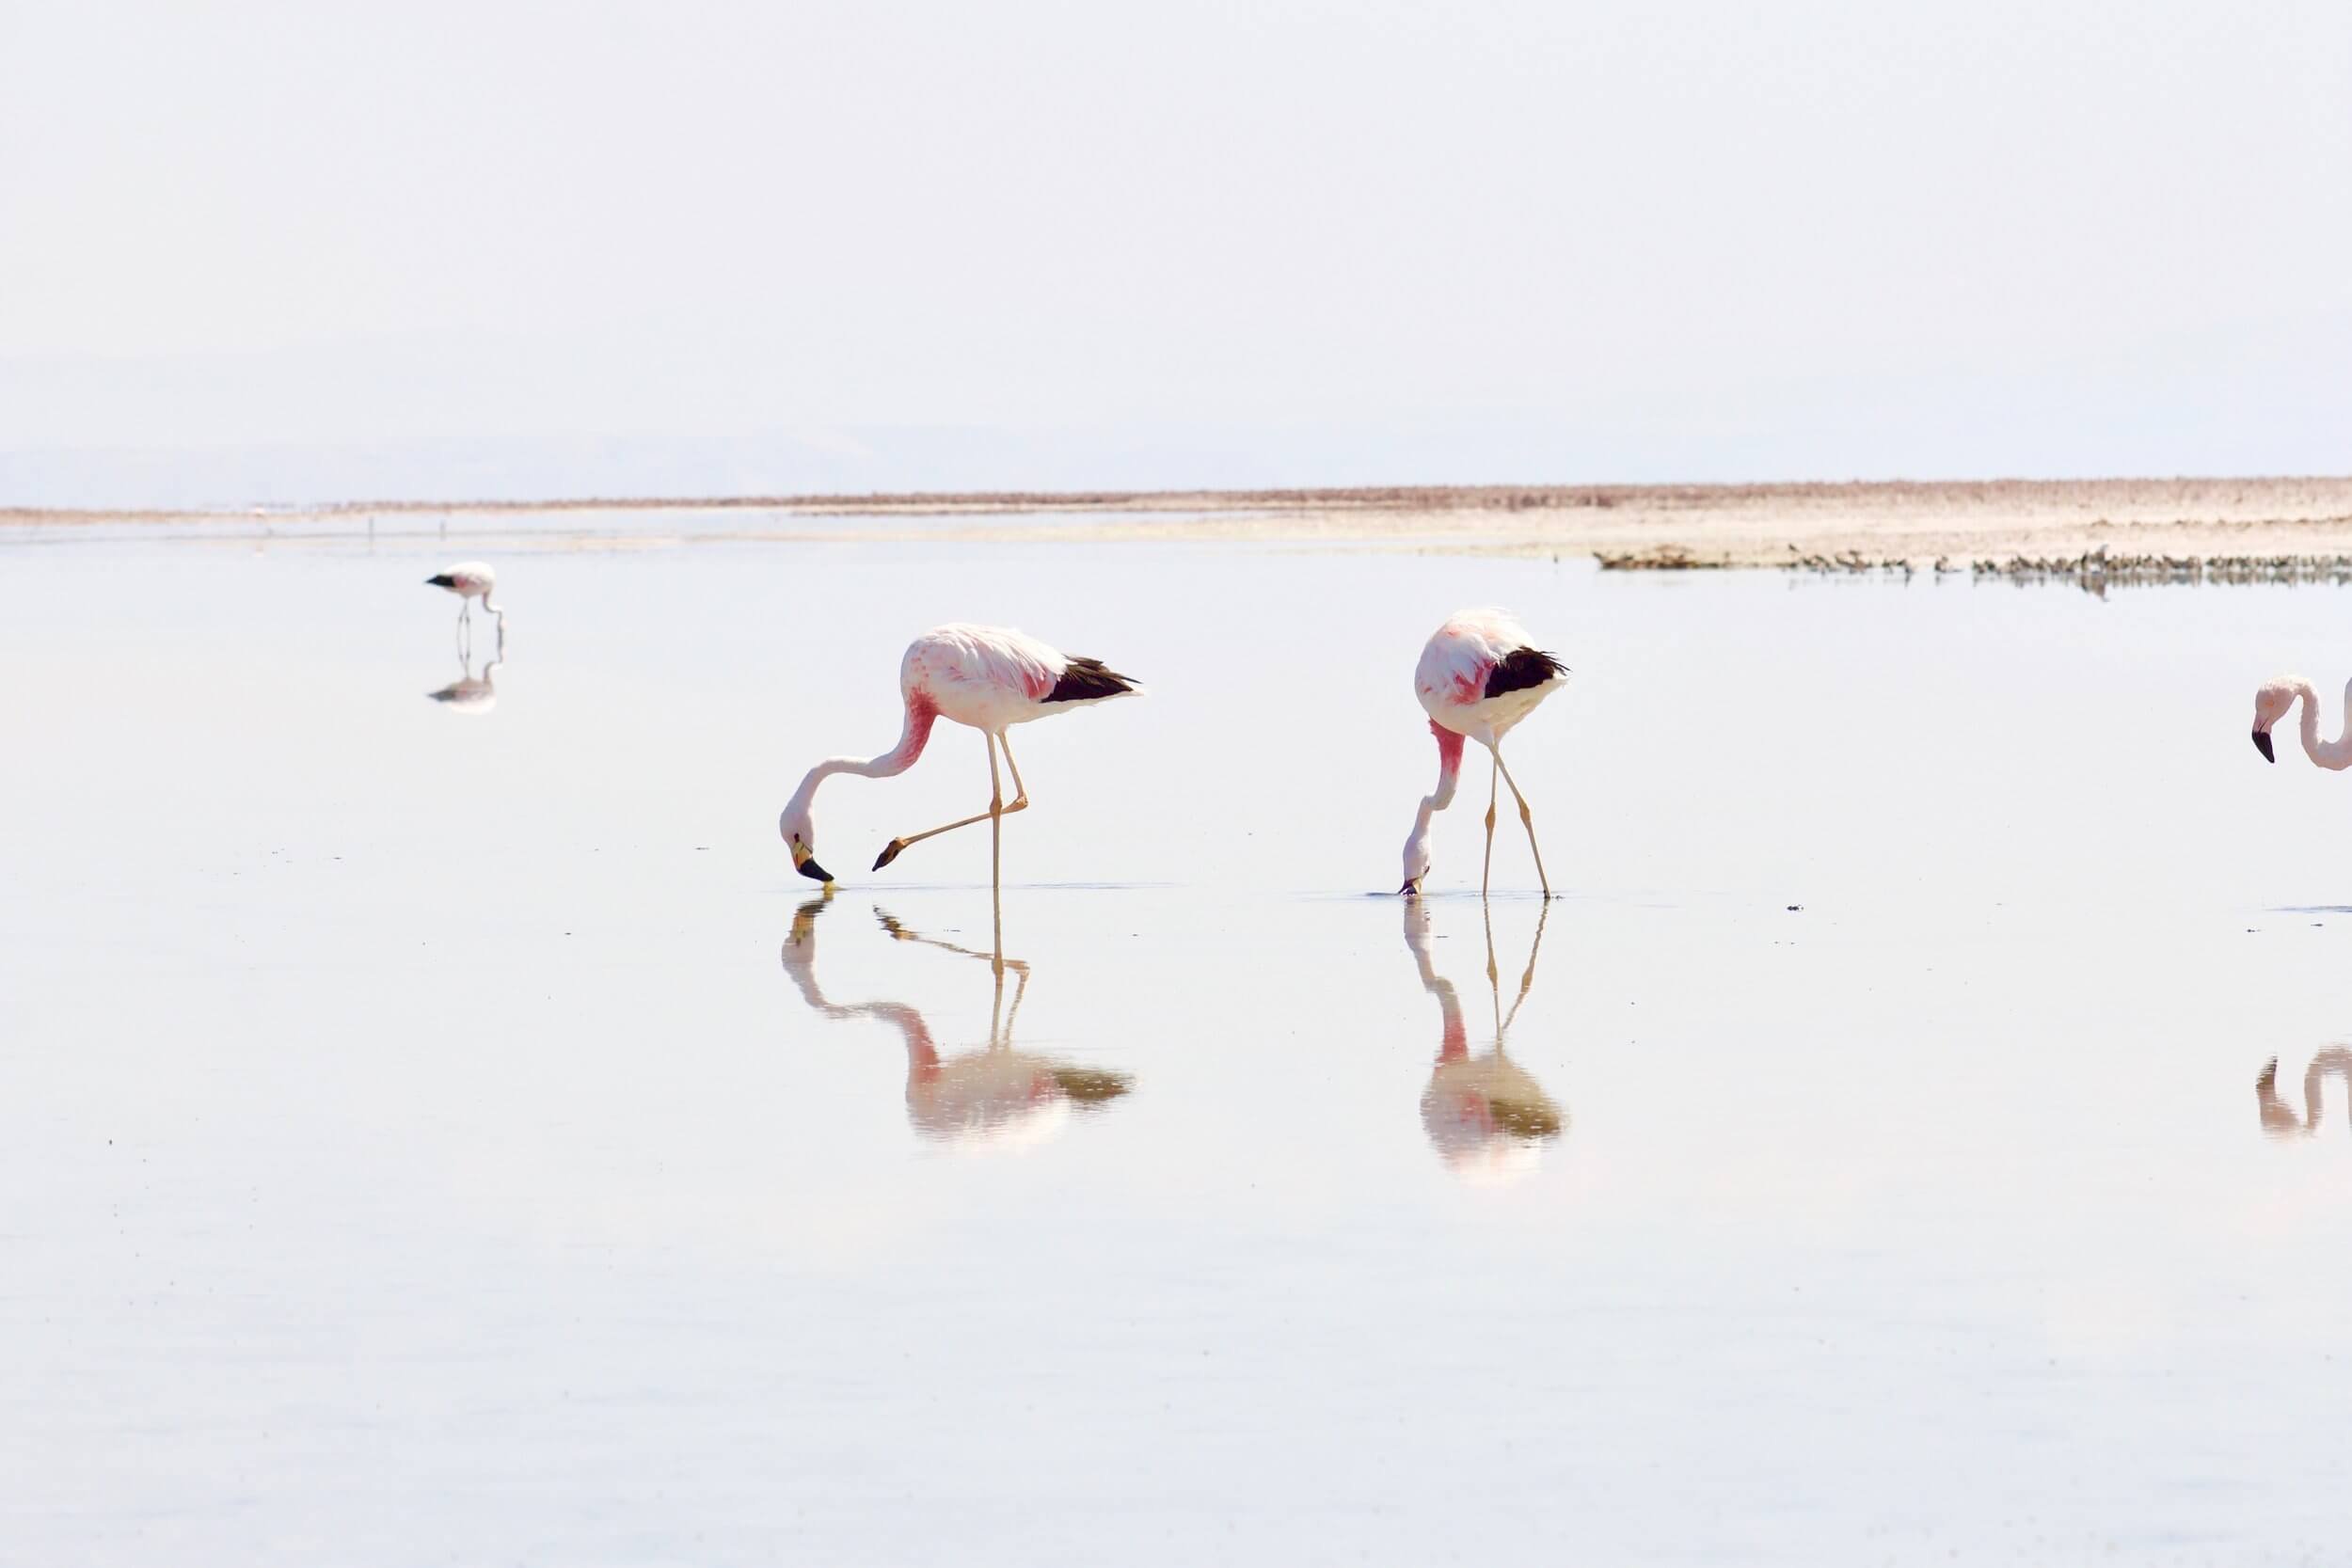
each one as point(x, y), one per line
point(988, 677)
point(1479, 676)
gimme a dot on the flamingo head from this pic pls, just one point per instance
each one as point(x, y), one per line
point(1416, 862)
point(2272, 702)
point(800, 836)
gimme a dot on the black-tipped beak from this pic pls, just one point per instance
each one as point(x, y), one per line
point(440, 580)
point(1410, 889)
point(814, 872)
point(890, 852)
point(2262, 744)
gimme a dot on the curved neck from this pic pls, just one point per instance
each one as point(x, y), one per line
point(911, 738)
point(1449, 775)
point(2334, 754)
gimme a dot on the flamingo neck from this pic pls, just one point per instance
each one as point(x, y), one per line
point(912, 736)
point(1449, 775)
point(2335, 754)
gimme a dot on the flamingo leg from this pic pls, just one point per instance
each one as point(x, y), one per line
point(1486, 869)
point(997, 863)
point(1527, 819)
point(998, 806)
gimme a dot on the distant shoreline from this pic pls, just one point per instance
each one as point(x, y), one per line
point(2266, 527)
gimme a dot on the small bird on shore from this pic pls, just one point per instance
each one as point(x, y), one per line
point(1479, 676)
point(989, 677)
point(2271, 703)
point(470, 580)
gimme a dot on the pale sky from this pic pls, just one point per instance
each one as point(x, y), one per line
point(1206, 243)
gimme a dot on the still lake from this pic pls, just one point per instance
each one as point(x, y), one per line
point(448, 1131)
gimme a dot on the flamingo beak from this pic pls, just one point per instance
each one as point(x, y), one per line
point(1411, 888)
point(805, 861)
point(2262, 744)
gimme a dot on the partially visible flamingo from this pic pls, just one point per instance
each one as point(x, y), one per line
point(2270, 706)
point(989, 677)
point(470, 580)
point(1479, 676)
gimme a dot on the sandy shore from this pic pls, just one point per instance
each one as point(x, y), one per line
point(2121, 527)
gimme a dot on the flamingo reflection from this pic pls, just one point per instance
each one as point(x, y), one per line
point(2279, 1118)
point(1487, 1116)
point(469, 693)
point(997, 1098)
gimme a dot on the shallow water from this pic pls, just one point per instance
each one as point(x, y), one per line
point(448, 1129)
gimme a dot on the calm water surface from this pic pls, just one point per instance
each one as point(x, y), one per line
point(446, 1130)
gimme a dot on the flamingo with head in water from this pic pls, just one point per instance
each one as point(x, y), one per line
point(989, 677)
point(470, 580)
point(1480, 674)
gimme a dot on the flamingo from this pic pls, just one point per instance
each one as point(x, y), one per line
point(2270, 706)
point(470, 580)
point(1479, 676)
point(989, 677)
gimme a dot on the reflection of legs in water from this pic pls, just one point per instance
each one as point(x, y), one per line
point(1527, 976)
point(1527, 979)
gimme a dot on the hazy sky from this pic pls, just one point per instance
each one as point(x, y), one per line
point(1638, 241)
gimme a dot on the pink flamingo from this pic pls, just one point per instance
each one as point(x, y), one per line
point(470, 580)
point(2271, 704)
point(1478, 677)
point(989, 677)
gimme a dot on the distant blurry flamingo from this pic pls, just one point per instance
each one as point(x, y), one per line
point(470, 580)
point(1479, 676)
point(989, 677)
point(2271, 703)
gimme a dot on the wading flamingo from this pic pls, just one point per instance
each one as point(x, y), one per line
point(470, 580)
point(1478, 677)
point(989, 677)
point(2270, 706)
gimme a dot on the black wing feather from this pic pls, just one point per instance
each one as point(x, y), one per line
point(1087, 678)
point(1522, 668)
